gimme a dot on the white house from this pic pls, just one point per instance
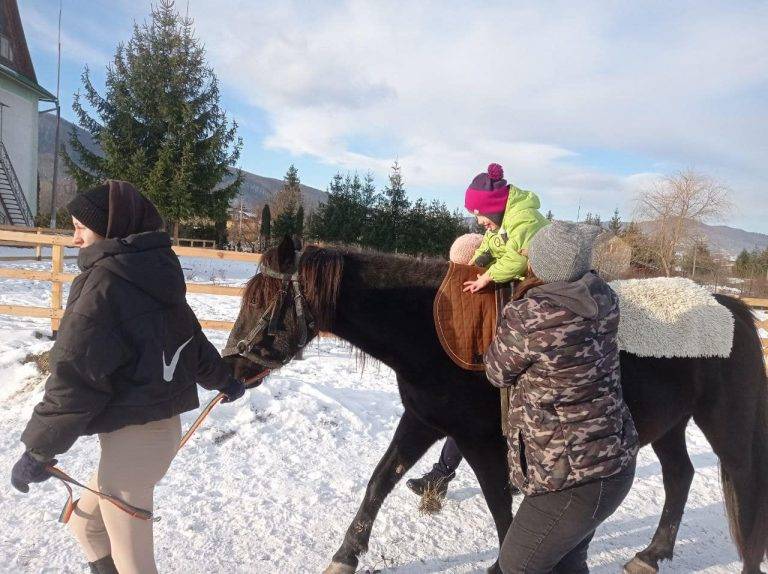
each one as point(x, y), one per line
point(20, 95)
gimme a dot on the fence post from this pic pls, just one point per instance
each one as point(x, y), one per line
point(39, 247)
point(57, 266)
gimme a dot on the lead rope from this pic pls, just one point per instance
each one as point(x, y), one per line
point(129, 509)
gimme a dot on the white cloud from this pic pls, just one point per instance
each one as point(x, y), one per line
point(449, 86)
point(43, 30)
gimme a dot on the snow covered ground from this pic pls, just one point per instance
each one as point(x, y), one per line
point(270, 483)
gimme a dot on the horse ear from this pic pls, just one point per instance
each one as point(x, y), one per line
point(285, 252)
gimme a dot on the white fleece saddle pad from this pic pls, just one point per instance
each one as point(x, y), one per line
point(671, 317)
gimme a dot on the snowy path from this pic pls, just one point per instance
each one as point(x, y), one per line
point(270, 483)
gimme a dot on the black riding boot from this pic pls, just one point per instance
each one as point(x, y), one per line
point(103, 566)
point(435, 480)
point(441, 474)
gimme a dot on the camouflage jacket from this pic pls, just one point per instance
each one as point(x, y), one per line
point(568, 423)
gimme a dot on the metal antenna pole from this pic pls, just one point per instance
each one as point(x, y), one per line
point(55, 180)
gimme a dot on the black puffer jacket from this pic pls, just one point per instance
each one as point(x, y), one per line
point(129, 348)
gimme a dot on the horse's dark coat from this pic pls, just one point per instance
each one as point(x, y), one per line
point(384, 308)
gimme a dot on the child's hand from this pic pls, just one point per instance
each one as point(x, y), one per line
point(481, 282)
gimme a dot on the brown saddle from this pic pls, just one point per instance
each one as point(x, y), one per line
point(466, 322)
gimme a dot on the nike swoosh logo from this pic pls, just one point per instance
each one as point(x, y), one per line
point(170, 369)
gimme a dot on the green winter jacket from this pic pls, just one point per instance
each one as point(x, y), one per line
point(500, 249)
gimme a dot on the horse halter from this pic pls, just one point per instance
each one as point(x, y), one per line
point(270, 320)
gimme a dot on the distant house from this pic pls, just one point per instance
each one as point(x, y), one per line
point(20, 95)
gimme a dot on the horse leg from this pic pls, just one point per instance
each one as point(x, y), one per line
point(739, 439)
point(488, 459)
point(677, 471)
point(411, 440)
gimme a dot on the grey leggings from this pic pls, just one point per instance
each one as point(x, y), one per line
point(551, 532)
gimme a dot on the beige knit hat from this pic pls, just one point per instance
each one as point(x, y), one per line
point(464, 248)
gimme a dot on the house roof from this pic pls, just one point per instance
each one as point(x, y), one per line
point(39, 90)
point(19, 66)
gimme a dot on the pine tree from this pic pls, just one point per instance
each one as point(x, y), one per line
point(743, 265)
point(266, 227)
point(391, 213)
point(286, 204)
point(289, 197)
point(159, 124)
point(549, 215)
point(300, 221)
point(369, 199)
point(614, 225)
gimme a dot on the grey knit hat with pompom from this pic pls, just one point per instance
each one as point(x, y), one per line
point(562, 251)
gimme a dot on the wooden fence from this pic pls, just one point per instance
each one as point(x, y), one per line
point(185, 241)
point(57, 277)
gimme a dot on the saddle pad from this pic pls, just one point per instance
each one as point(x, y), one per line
point(671, 317)
point(465, 322)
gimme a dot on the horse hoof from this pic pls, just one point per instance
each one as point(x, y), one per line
point(339, 568)
point(639, 566)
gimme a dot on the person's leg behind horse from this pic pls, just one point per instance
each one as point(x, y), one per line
point(551, 532)
point(133, 460)
point(442, 472)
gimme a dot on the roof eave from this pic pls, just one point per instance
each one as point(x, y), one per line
point(42, 94)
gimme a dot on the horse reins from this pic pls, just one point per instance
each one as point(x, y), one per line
point(129, 509)
point(270, 318)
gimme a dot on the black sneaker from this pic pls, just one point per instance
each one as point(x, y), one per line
point(435, 480)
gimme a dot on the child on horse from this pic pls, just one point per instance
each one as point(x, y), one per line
point(511, 218)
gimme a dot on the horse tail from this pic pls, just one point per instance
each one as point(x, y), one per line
point(751, 539)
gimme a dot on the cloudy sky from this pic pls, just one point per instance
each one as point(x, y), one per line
point(582, 102)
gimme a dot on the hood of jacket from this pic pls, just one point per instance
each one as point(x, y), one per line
point(145, 260)
point(520, 199)
point(579, 296)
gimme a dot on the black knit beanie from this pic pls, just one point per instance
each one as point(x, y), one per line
point(91, 208)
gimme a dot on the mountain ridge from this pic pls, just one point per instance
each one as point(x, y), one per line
point(255, 190)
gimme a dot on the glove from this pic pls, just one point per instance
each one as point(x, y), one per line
point(234, 390)
point(28, 469)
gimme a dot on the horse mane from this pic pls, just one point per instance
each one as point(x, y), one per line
point(320, 272)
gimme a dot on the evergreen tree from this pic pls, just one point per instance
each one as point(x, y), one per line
point(369, 199)
point(159, 124)
point(390, 220)
point(614, 225)
point(289, 197)
point(266, 227)
point(285, 223)
point(342, 217)
point(588, 219)
point(744, 265)
point(300, 221)
point(287, 203)
point(549, 215)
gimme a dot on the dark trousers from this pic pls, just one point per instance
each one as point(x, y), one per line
point(450, 457)
point(551, 532)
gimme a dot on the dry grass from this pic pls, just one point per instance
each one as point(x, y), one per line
point(40, 360)
point(431, 501)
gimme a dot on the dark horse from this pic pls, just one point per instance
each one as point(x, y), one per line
point(382, 304)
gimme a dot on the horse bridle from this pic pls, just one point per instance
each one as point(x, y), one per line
point(271, 318)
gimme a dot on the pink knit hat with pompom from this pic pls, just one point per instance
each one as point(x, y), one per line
point(488, 193)
point(464, 248)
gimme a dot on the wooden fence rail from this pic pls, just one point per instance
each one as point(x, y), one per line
point(57, 277)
